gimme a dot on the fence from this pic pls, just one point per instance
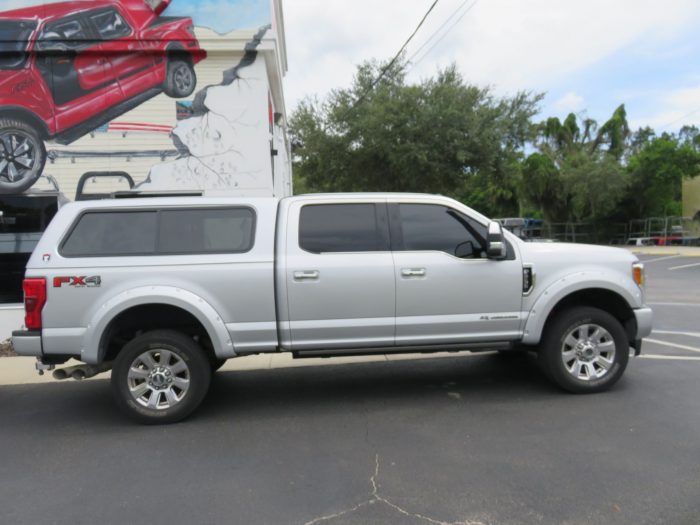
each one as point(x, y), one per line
point(652, 230)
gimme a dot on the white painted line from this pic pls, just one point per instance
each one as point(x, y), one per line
point(673, 304)
point(672, 345)
point(684, 266)
point(670, 332)
point(662, 258)
point(670, 357)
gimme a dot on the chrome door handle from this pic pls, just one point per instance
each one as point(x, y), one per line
point(413, 272)
point(307, 275)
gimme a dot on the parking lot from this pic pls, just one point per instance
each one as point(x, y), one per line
point(472, 439)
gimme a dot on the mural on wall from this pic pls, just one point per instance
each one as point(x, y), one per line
point(70, 70)
point(212, 141)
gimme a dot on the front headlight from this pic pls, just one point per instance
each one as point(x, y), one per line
point(638, 274)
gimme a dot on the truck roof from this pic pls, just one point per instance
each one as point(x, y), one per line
point(155, 201)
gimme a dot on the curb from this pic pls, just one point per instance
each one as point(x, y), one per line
point(20, 370)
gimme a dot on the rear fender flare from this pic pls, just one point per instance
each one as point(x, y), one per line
point(91, 351)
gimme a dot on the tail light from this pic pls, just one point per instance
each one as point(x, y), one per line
point(34, 301)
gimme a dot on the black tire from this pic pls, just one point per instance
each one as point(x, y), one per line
point(217, 363)
point(16, 137)
point(183, 349)
point(180, 79)
point(551, 352)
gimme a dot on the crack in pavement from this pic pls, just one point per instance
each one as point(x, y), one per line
point(378, 498)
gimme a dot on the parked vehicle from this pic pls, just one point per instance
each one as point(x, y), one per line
point(23, 219)
point(69, 67)
point(163, 290)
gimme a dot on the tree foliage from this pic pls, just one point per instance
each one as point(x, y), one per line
point(444, 135)
point(576, 175)
point(441, 135)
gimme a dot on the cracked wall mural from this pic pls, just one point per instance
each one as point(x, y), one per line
point(179, 94)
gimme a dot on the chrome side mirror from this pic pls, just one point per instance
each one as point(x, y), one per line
point(496, 242)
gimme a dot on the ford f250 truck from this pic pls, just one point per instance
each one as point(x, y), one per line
point(163, 290)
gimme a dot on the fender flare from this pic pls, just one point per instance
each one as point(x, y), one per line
point(91, 351)
point(571, 283)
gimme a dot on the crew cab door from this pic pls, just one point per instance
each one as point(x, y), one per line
point(447, 291)
point(338, 275)
point(131, 65)
point(76, 71)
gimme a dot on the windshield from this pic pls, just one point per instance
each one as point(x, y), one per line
point(14, 35)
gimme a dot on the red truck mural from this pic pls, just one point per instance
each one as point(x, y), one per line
point(67, 68)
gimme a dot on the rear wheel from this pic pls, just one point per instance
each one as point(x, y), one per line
point(584, 350)
point(160, 377)
point(180, 79)
point(22, 156)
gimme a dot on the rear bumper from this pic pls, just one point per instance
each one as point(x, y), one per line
point(27, 342)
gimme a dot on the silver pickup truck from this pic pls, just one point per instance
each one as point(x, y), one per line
point(163, 290)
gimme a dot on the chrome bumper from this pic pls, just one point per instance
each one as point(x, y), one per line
point(27, 343)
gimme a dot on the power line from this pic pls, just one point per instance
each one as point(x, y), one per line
point(681, 118)
point(449, 18)
point(445, 34)
point(393, 60)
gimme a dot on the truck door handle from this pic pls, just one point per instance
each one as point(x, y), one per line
point(413, 272)
point(307, 275)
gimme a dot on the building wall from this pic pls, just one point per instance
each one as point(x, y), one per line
point(234, 144)
point(691, 197)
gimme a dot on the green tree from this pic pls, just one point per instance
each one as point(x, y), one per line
point(440, 135)
point(577, 173)
point(657, 170)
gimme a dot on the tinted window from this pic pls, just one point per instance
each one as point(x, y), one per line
point(110, 24)
point(62, 35)
point(206, 231)
point(14, 36)
point(432, 227)
point(23, 214)
point(112, 233)
point(340, 228)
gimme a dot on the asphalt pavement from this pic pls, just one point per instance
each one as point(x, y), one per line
point(480, 439)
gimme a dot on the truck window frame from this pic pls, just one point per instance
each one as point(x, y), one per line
point(155, 252)
point(382, 226)
point(396, 227)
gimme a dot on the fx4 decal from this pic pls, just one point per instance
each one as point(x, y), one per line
point(77, 281)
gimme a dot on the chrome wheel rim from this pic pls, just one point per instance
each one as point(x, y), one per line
point(158, 379)
point(183, 78)
point(18, 156)
point(588, 352)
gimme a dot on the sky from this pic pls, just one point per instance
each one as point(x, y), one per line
point(587, 57)
point(223, 15)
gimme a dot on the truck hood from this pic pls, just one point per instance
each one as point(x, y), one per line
point(576, 253)
point(556, 260)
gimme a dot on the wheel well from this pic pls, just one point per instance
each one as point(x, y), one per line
point(28, 117)
point(177, 51)
point(603, 299)
point(144, 318)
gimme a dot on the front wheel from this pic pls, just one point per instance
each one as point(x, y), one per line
point(160, 377)
point(584, 350)
point(180, 79)
point(22, 156)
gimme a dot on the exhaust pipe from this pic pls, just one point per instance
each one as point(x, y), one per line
point(80, 372)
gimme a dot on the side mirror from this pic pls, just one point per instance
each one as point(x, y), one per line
point(496, 242)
